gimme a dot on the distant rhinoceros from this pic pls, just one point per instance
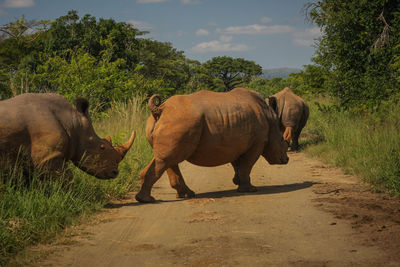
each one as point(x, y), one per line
point(293, 114)
point(210, 129)
point(50, 131)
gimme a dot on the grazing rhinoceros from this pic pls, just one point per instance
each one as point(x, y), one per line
point(210, 129)
point(293, 114)
point(50, 131)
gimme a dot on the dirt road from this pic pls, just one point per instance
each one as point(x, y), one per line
point(304, 214)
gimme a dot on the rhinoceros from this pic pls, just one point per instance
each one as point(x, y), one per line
point(50, 131)
point(210, 129)
point(293, 114)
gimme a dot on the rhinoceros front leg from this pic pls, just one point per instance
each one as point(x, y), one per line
point(235, 166)
point(243, 168)
point(177, 182)
point(55, 166)
point(148, 176)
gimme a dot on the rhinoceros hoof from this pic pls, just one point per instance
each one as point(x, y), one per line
point(189, 194)
point(145, 199)
point(246, 188)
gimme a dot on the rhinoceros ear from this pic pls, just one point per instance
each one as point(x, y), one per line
point(82, 105)
point(273, 103)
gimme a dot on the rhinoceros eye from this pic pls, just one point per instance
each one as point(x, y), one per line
point(102, 147)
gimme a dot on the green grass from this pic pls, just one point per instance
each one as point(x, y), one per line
point(367, 145)
point(37, 212)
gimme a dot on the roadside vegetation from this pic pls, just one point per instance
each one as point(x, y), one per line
point(367, 145)
point(352, 87)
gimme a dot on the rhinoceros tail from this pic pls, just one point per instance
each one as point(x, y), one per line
point(154, 106)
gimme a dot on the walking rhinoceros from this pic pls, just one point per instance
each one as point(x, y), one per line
point(210, 129)
point(293, 114)
point(50, 131)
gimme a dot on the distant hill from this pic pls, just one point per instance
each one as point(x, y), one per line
point(279, 72)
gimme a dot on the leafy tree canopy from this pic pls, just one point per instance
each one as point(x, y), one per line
point(232, 72)
point(356, 49)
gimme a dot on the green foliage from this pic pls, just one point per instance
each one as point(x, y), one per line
point(364, 144)
point(82, 75)
point(396, 62)
point(230, 72)
point(70, 32)
point(162, 61)
point(104, 61)
point(36, 212)
point(357, 48)
point(5, 91)
point(306, 83)
point(99, 59)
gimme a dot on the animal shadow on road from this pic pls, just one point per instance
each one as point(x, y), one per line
point(135, 203)
point(261, 190)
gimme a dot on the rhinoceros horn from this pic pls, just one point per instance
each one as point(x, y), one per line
point(123, 149)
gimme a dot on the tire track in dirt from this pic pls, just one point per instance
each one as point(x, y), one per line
point(297, 218)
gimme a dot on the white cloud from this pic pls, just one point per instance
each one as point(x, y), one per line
point(303, 42)
point(141, 25)
point(256, 29)
point(190, 2)
point(225, 38)
point(306, 37)
point(218, 46)
point(222, 45)
point(265, 20)
point(202, 32)
point(150, 1)
point(18, 3)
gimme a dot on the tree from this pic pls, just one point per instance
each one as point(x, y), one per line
point(72, 32)
point(83, 75)
point(161, 61)
point(20, 39)
point(232, 72)
point(357, 48)
point(154, 60)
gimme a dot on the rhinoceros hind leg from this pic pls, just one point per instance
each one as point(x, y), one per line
point(295, 140)
point(177, 182)
point(148, 176)
point(144, 199)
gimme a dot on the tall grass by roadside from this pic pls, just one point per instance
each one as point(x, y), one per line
point(37, 212)
point(364, 144)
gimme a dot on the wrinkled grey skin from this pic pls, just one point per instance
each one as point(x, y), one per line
point(49, 131)
point(293, 114)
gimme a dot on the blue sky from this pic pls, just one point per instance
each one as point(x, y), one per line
point(273, 33)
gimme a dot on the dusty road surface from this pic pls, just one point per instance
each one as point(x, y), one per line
point(304, 214)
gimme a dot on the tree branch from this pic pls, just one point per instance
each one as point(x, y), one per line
point(384, 36)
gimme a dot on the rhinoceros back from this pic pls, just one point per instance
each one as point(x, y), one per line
point(223, 125)
point(27, 117)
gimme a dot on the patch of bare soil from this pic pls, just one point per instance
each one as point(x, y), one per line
point(374, 217)
point(303, 214)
